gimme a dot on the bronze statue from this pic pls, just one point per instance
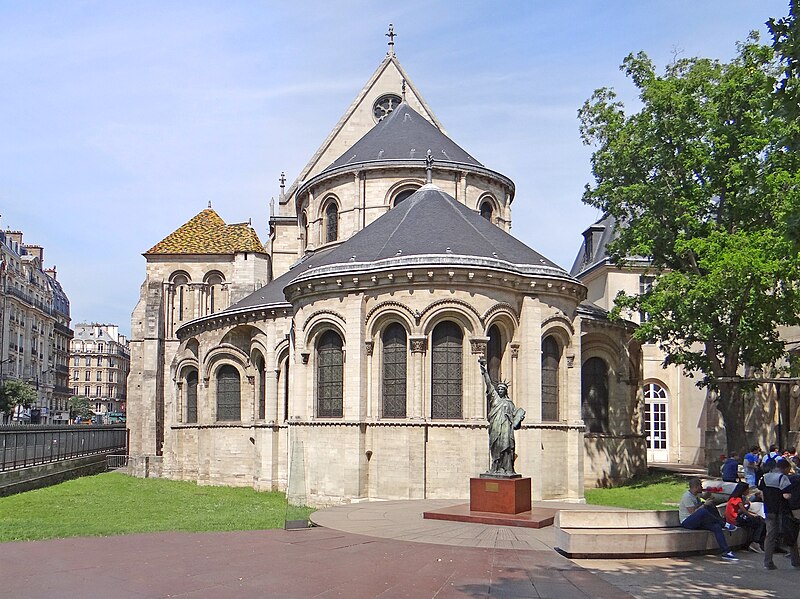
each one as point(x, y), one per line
point(504, 417)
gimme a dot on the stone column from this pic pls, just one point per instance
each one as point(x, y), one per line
point(475, 389)
point(371, 411)
point(419, 345)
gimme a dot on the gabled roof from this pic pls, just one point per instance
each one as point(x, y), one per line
point(207, 233)
point(403, 134)
point(389, 74)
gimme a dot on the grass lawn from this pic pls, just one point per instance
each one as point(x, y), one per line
point(651, 492)
point(114, 504)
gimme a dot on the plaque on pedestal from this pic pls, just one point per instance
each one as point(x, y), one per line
point(500, 495)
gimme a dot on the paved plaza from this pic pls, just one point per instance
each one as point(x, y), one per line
point(375, 549)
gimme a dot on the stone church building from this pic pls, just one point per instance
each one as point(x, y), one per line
point(338, 357)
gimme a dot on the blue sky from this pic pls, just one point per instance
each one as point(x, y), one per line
point(119, 121)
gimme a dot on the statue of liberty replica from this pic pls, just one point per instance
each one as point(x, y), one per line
point(504, 418)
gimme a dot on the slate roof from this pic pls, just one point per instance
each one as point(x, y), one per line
point(429, 227)
point(207, 233)
point(602, 233)
point(403, 135)
point(431, 222)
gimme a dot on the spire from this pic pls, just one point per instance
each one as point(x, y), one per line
point(282, 181)
point(391, 35)
point(429, 168)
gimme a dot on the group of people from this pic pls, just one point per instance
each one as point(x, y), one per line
point(772, 478)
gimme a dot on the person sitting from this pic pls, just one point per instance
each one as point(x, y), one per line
point(737, 511)
point(730, 468)
point(775, 488)
point(696, 515)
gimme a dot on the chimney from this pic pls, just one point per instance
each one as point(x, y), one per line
point(35, 250)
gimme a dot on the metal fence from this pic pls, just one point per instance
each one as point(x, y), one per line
point(30, 445)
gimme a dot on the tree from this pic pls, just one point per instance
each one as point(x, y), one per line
point(692, 182)
point(786, 164)
point(16, 393)
point(79, 406)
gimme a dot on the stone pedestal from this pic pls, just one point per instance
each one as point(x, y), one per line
point(500, 495)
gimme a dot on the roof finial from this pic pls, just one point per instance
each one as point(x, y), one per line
point(403, 90)
point(209, 203)
point(429, 167)
point(391, 35)
point(282, 181)
point(272, 206)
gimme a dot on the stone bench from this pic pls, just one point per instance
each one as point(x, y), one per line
point(633, 534)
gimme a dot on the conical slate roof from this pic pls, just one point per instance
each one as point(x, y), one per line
point(432, 224)
point(429, 227)
point(403, 135)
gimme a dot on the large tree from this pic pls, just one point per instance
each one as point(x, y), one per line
point(79, 406)
point(16, 393)
point(690, 181)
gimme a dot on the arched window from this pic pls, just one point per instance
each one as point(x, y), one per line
point(191, 396)
point(495, 351)
point(551, 358)
point(214, 285)
point(655, 419)
point(406, 193)
point(304, 229)
point(283, 386)
point(594, 395)
point(487, 211)
point(331, 223)
point(394, 371)
point(229, 404)
point(330, 367)
point(261, 400)
point(446, 370)
point(181, 299)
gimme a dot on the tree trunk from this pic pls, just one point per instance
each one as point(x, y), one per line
point(730, 404)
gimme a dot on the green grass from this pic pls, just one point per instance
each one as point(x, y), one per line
point(651, 492)
point(114, 504)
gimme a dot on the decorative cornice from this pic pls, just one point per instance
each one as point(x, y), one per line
point(451, 301)
point(393, 304)
point(322, 313)
point(501, 306)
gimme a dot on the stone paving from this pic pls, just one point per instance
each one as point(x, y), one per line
point(367, 550)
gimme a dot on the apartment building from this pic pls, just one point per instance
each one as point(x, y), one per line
point(99, 365)
point(34, 330)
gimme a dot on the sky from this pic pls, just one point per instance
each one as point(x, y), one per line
point(119, 121)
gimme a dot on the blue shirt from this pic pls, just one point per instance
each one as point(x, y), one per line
point(730, 470)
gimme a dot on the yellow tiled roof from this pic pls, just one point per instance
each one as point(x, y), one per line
point(207, 233)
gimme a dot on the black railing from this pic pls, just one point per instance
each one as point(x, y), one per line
point(26, 445)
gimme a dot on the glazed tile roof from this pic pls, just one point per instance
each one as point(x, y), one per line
point(207, 233)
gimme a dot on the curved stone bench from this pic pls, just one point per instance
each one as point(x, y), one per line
point(633, 534)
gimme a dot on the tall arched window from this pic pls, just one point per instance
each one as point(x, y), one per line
point(594, 395)
point(487, 211)
point(446, 370)
point(181, 301)
point(283, 386)
point(191, 396)
point(494, 351)
point(262, 387)
point(656, 401)
point(394, 371)
point(331, 222)
point(229, 403)
point(551, 358)
point(214, 283)
point(304, 229)
point(330, 367)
